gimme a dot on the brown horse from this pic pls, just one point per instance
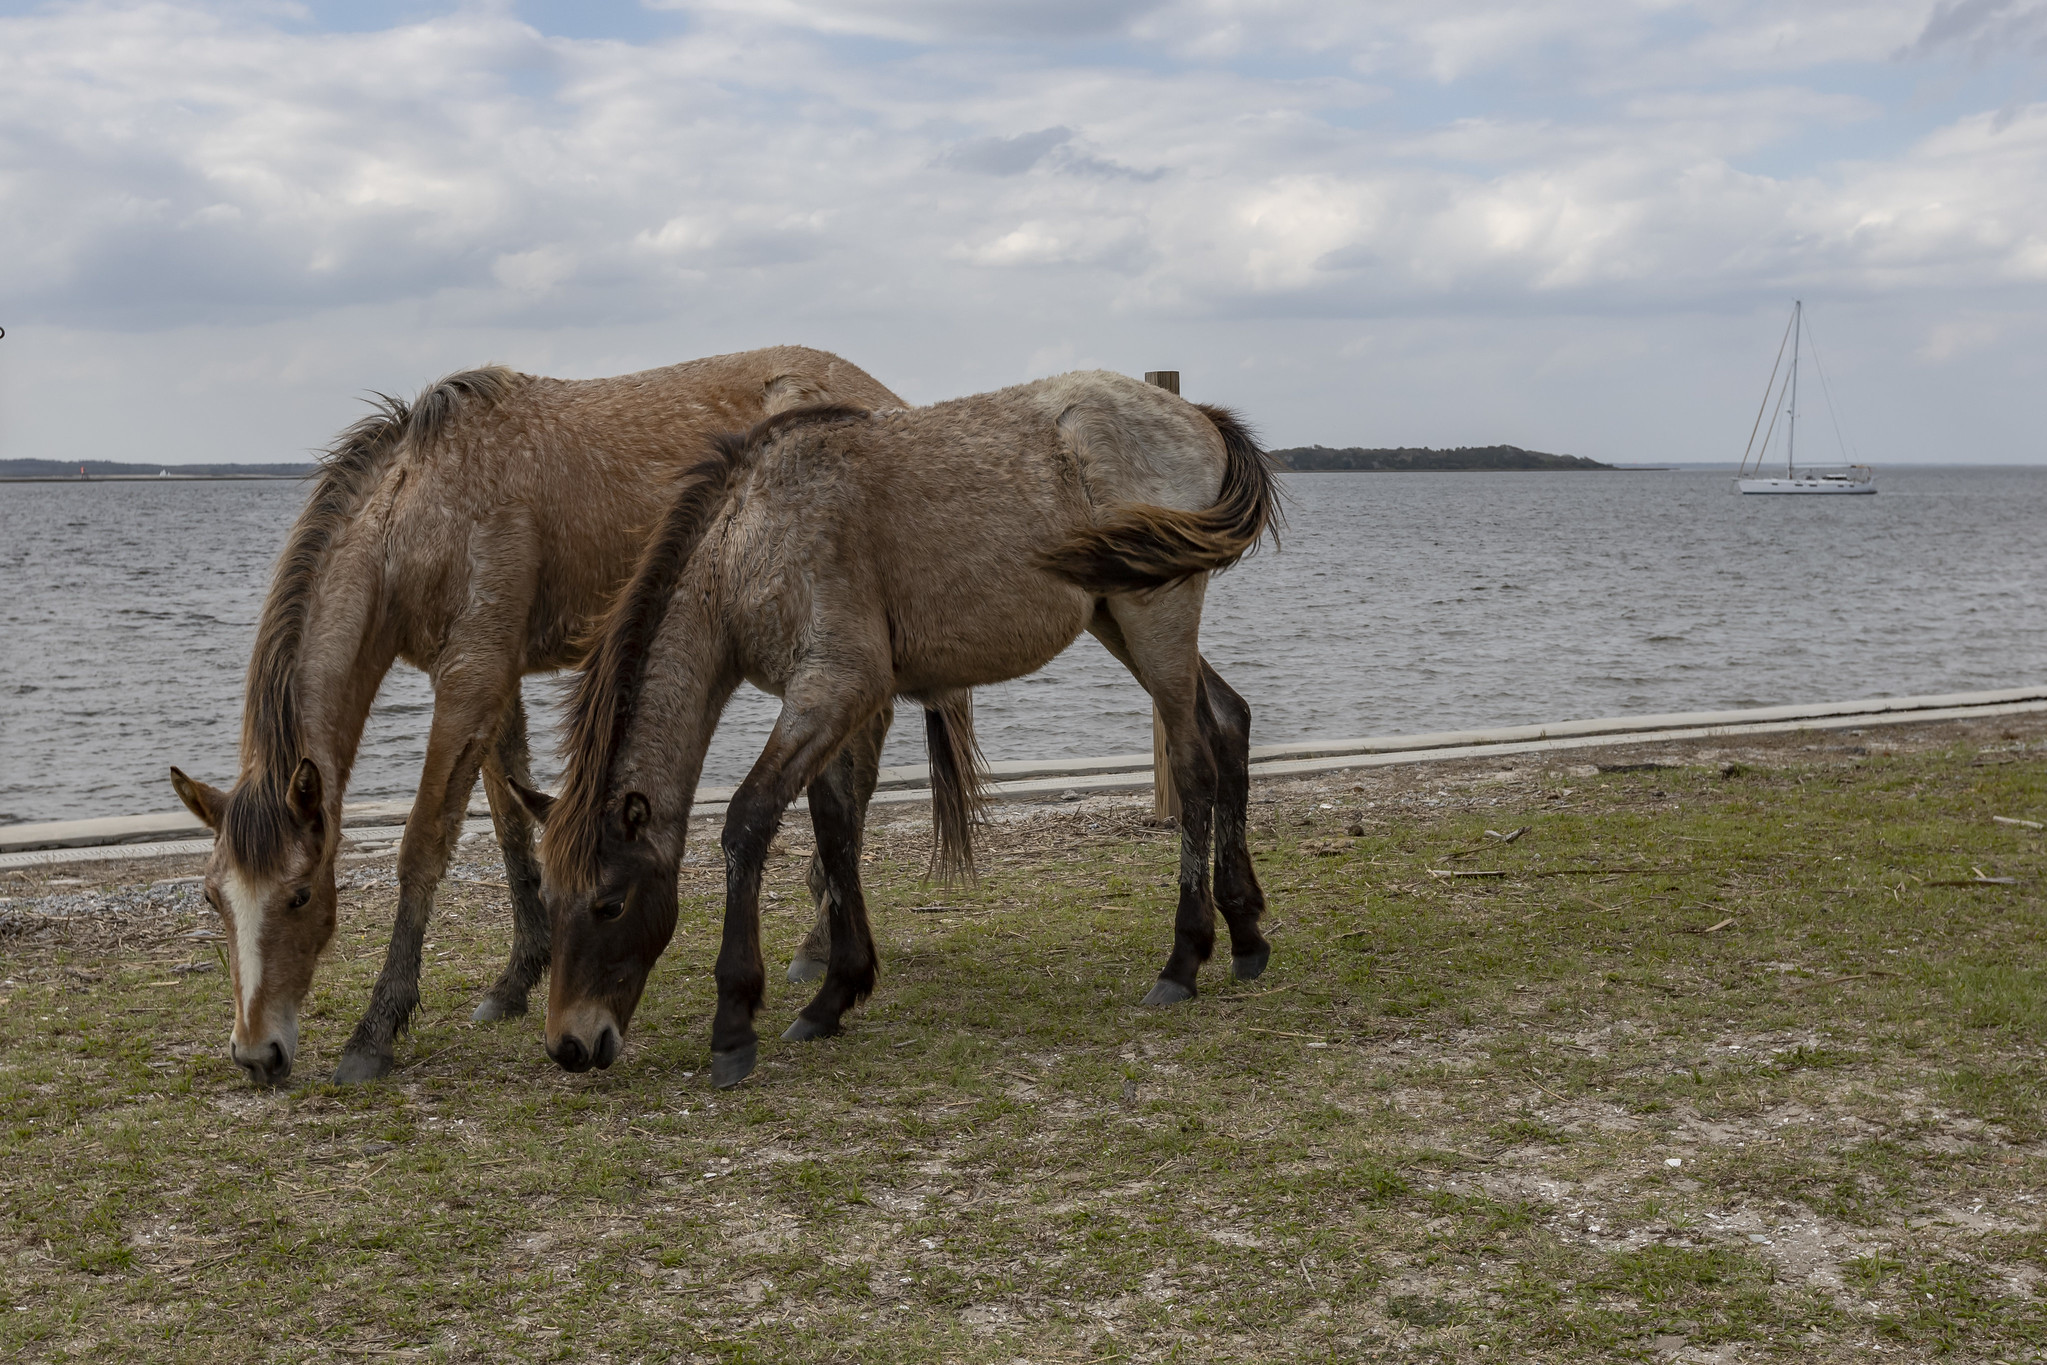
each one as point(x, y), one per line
point(477, 533)
point(838, 558)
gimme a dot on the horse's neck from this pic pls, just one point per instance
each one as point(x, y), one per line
point(348, 648)
point(690, 676)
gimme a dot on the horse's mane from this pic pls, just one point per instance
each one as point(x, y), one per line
point(607, 690)
point(256, 822)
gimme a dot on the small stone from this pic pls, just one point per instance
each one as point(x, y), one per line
point(1069, 795)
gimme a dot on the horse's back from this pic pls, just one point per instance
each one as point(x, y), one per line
point(548, 487)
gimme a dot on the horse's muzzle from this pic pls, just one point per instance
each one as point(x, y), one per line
point(267, 1063)
point(573, 1054)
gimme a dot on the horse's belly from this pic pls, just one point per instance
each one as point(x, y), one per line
point(970, 640)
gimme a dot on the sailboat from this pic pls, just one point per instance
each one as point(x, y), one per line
point(1780, 401)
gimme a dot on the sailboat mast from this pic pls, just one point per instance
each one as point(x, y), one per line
point(1791, 433)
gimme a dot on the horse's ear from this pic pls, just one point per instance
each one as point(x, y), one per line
point(305, 793)
point(633, 814)
point(538, 804)
point(203, 801)
point(786, 391)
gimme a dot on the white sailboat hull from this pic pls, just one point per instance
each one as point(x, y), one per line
point(1781, 400)
point(1802, 485)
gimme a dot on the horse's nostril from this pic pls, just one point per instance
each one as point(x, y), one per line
point(607, 1046)
point(570, 1054)
point(268, 1067)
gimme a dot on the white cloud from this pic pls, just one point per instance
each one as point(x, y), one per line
point(986, 185)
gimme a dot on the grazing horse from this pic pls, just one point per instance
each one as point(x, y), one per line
point(478, 533)
point(838, 558)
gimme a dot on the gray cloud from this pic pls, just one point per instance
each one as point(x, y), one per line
point(1983, 29)
point(1004, 155)
point(933, 21)
point(1052, 147)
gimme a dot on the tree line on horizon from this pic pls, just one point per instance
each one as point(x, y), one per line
point(107, 469)
point(1411, 459)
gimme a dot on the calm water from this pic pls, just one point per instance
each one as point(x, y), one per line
point(1402, 603)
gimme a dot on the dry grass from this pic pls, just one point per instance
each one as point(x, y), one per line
point(1556, 1114)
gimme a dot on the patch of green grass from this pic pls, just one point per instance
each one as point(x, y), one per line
point(1804, 1058)
point(1441, 1121)
point(1667, 1274)
point(2002, 995)
point(1525, 1129)
point(2014, 1096)
point(1421, 1310)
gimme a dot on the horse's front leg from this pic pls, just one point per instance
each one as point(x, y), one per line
point(468, 711)
point(818, 713)
point(862, 758)
point(836, 814)
point(508, 762)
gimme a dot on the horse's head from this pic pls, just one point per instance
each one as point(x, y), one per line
point(271, 878)
point(612, 909)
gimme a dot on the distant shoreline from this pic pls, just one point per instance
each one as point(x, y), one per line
point(120, 471)
point(1424, 460)
point(151, 478)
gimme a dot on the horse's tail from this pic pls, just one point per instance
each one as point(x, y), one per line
point(1138, 548)
point(958, 776)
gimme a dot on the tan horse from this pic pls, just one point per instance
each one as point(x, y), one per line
point(838, 558)
point(477, 533)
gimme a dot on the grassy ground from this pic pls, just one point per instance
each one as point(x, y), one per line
point(1725, 1066)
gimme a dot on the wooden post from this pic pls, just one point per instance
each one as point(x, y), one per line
point(1165, 797)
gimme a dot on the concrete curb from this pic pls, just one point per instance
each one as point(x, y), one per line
point(140, 836)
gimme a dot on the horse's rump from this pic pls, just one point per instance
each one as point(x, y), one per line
point(1138, 548)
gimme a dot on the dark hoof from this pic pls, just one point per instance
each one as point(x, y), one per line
point(1164, 992)
point(357, 1067)
point(804, 969)
point(490, 1010)
point(1250, 966)
point(803, 1030)
point(730, 1068)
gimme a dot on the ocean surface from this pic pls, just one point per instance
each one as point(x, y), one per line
point(1400, 603)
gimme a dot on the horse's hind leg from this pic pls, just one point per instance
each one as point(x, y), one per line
point(1225, 720)
point(836, 815)
point(861, 760)
point(509, 759)
point(1155, 637)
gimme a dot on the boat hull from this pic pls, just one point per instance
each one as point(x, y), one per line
point(1823, 486)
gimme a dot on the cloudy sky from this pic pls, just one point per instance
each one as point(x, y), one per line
point(1573, 225)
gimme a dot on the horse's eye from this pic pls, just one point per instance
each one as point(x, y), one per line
point(301, 896)
point(606, 911)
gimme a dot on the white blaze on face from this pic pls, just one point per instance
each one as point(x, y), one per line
point(247, 908)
